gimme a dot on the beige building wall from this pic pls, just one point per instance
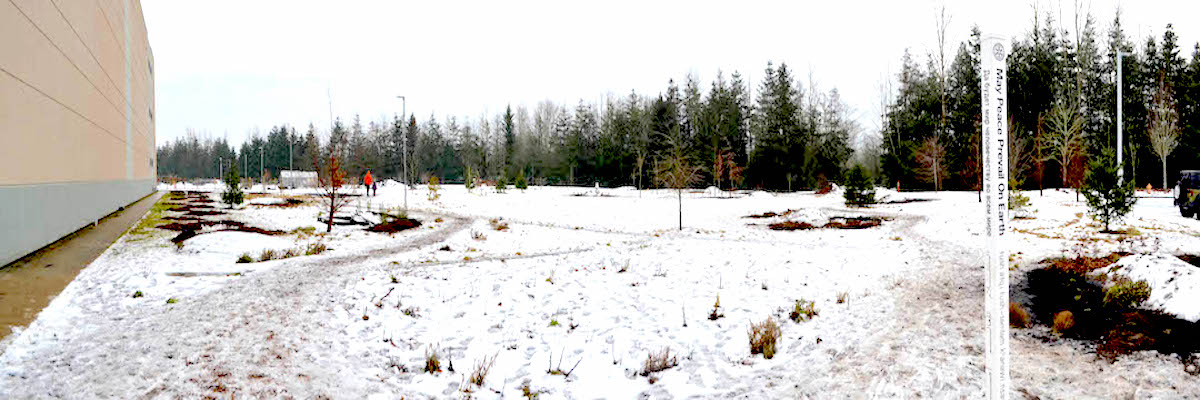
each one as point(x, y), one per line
point(76, 116)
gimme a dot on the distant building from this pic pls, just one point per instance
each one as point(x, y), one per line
point(297, 179)
point(76, 117)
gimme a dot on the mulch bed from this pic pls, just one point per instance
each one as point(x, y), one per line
point(834, 223)
point(396, 225)
point(1063, 286)
point(190, 229)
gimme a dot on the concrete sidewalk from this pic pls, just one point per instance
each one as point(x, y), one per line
point(27, 285)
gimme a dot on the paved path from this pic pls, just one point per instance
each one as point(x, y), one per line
point(27, 285)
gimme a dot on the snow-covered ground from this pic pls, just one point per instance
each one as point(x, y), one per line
point(583, 280)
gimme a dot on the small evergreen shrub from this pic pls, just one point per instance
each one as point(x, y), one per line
point(501, 184)
point(859, 192)
point(520, 181)
point(434, 188)
point(1127, 294)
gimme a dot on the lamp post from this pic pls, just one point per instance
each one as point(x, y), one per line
point(404, 148)
point(1120, 122)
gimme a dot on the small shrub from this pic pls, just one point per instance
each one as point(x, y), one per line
point(859, 191)
point(716, 312)
point(763, 337)
point(267, 255)
point(843, 297)
point(245, 258)
point(315, 248)
point(137, 294)
point(394, 280)
point(432, 363)
point(412, 312)
point(1016, 199)
point(554, 322)
point(478, 236)
point(520, 181)
point(1127, 294)
point(1063, 321)
point(481, 370)
point(434, 187)
point(661, 361)
point(172, 300)
point(803, 311)
point(498, 224)
point(528, 392)
point(1017, 316)
point(469, 179)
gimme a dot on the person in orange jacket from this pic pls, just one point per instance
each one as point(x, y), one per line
point(369, 183)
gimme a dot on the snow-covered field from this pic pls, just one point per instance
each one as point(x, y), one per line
point(586, 281)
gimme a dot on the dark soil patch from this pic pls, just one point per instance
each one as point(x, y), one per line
point(287, 203)
point(1062, 286)
point(770, 214)
point(1190, 259)
point(395, 225)
point(791, 226)
point(834, 223)
point(190, 229)
point(906, 201)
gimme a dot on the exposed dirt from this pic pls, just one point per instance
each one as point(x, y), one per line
point(193, 228)
point(905, 201)
point(1190, 259)
point(396, 225)
point(287, 203)
point(1115, 330)
point(834, 223)
point(770, 214)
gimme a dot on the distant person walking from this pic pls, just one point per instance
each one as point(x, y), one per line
point(368, 182)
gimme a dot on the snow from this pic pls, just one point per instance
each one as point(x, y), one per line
point(611, 268)
point(1174, 284)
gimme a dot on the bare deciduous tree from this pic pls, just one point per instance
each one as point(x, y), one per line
point(1163, 127)
point(1020, 157)
point(931, 162)
point(674, 170)
point(1062, 139)
point(331, 177)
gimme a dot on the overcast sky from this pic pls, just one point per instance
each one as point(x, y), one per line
point(224, 68)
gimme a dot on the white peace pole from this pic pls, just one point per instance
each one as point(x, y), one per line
point(993, 79)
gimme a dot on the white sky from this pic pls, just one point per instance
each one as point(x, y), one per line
point(226, 67)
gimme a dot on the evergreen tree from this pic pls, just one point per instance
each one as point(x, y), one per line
point(1108, 200)
point(859, 190)
point(233, 187)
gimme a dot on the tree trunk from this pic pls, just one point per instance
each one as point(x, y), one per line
point(1164, 162)
point(679, 194)
point(332, 203)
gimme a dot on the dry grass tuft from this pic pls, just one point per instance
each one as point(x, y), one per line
point(498, 224)
point(804, 310)
point(763, 337)
point(481, 370)
point(716, 312)
point(432, 363)
point(1063, 321)
point(843, 297)
point(660, 361)
point(1017, 316)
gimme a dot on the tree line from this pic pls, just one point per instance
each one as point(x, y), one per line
point(1062, 110)
point(783, 135)
point(790, 136)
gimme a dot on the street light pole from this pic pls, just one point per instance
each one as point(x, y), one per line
point(404, 150)
point(1120, 122)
